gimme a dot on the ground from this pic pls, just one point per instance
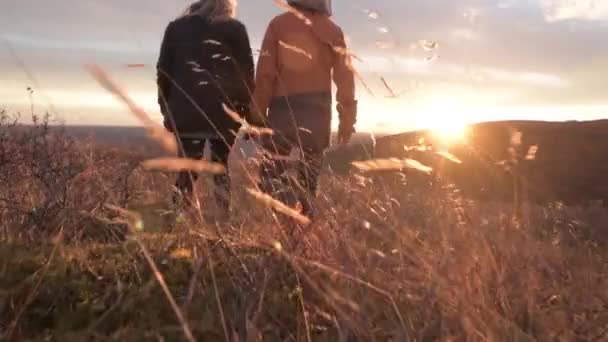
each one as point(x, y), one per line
point(387, 259)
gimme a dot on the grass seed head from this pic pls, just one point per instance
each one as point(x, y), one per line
point(183, 164)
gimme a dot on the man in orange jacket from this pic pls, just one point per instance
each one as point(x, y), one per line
point(303, 50)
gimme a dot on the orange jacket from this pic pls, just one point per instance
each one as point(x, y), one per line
point(298, 55)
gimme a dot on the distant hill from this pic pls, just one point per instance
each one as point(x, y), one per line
point(120, 136)
point(571, 164)
point(137, 139)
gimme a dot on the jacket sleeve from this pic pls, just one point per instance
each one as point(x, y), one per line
point(163, 72)
point(344, 78)
point(266, 76)
point(244, 60)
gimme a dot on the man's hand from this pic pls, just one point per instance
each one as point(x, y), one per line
point(249, 137)
point(345, 134)
point(348, 119)
point(255, 118)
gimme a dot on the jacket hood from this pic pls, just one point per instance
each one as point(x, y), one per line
point(323, 6)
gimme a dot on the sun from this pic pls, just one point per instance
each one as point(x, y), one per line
point(450, 131)
point(448, 115)
point(447, 129)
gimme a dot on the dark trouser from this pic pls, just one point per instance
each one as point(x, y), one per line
point(194, 149)
point(276, 180)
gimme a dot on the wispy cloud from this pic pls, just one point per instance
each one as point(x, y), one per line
point(51, 43)
point(525, 77)
point(448, 70)
point(556, 10)
point(465, 34)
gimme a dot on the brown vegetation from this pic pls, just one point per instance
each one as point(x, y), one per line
point(568, 163)
point(84, 230)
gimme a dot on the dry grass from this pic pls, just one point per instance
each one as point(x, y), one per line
point(392, 164)
point(385, 260)
point(91, 249)
point(183, 164)
point(272, 203)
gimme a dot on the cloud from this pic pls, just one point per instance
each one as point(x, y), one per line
point(445, 70)
point(41, 42)
point(465, 34)
point(526, 77)
point(588, 87)
point(557, 10)
point(505, 4)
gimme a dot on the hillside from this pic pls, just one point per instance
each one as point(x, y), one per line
point(135, 137)
point(570, 164)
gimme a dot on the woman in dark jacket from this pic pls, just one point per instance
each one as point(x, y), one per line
point(205, 62)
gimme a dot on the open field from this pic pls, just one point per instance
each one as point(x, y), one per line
point(393, 256)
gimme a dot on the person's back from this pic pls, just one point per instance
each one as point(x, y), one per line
point(302, 51)
point(298, 58)
point(205, 63)
point(303, 62)
point(202, 65)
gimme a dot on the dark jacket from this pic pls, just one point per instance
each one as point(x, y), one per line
point(201, 66)
point(299, 58)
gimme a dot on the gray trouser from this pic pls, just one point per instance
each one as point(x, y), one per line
point(194, 149)
point(275, 178)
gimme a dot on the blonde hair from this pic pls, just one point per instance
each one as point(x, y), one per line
point(213, 10)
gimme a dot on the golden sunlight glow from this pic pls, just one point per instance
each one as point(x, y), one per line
point(450, 131)
point(448, 125)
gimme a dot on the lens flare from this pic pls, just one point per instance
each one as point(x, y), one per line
point(450, 131)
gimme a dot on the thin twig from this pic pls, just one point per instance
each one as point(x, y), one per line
point(217, 298)
point(31, 296)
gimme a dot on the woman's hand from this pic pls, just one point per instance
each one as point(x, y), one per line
point(168, 125)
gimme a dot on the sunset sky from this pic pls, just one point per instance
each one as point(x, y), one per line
point(496, 59)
